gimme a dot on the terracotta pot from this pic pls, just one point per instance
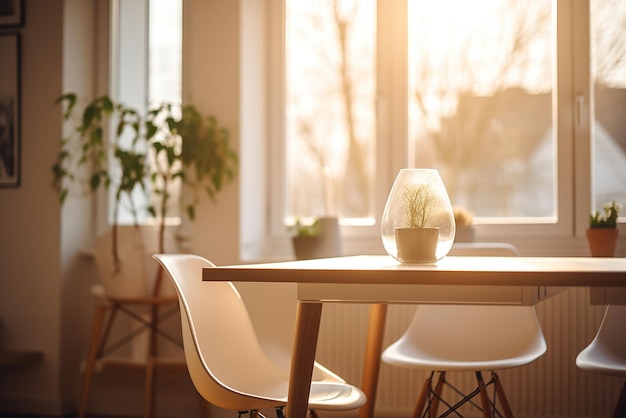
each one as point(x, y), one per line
point(417, 245)
point(602, 241)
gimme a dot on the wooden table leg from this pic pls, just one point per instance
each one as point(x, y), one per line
point(373, 351)
point(308, 318)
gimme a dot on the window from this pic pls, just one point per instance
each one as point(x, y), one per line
point(608, 25)
point(330, 109)
point(482, 91)
point(146, 64)
point(480, 103)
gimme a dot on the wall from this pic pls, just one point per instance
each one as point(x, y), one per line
point(31, 281)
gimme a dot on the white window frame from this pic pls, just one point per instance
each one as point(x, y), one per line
point(573, 165)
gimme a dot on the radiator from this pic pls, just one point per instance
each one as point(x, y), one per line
point(552, 386)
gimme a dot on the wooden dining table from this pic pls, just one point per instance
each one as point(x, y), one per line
point(381, 280)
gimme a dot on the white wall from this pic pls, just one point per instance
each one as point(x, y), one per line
point(30, 257)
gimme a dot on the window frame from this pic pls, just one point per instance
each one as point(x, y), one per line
point(573, 132)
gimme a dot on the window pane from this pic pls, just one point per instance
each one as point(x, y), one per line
point(480, 103)
point(166, 51)
point(330, 116)
point(608, 26)
point(165, 77)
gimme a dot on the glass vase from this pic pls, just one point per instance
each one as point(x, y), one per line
point(418, 222)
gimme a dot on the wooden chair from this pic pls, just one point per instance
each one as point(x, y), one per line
point(147, 312)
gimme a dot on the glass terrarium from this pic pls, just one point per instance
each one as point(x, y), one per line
point(418, 220)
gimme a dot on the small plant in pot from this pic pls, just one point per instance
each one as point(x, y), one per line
point(417, 240)
point(602, 232)
point(464, 223)
point(318, 239)
point(143, 155)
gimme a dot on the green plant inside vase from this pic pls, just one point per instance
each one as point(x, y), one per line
point(143, 154)
point(417, 205)
point(607, 219)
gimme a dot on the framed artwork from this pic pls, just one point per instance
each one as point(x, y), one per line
point(10, 110)
point(11, 13)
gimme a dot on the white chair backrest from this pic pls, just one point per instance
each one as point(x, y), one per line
point(612, 332)
point(487, 249)
point(224, 357)
point(606, 354)
point(477, 332)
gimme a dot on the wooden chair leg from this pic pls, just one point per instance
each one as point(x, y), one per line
point(150, 364)
point(204, 407)
point(484, 396)
point(148, 407)
point(92, 356)
point(620, 408)
point(504, 403)
point(434, 405)
point(423, 398)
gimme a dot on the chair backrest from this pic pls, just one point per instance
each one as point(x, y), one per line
point(606, 354)
point(225, 359)
point(487, 249)
point(477, 333)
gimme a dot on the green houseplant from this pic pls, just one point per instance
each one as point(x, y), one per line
point(417, 240)
point(144, 154)
point(602, 232)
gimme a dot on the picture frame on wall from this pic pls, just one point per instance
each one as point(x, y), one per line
point(11, 13)
point(10, 158)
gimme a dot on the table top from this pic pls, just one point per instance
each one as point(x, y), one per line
point(451, 270)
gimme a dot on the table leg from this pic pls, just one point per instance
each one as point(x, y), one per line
point(373, 351)
point(308, 318)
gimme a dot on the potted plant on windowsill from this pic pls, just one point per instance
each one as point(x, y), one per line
point(144, 155)
point(318, 239)
point(602, 232)
point(464, 222)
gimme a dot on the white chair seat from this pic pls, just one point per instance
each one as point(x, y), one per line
point(225, 359)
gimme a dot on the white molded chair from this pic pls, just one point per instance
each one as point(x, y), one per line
point(606, 354)
point(226, 362)
point(468, 338)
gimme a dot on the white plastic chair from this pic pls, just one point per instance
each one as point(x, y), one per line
point(226, 362)
point(468, 338)
point(606, 354)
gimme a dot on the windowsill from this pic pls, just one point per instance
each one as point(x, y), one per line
point(280, 249)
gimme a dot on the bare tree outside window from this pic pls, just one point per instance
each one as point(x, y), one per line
point(608, 52)
point(330, 124)
point(480, 102)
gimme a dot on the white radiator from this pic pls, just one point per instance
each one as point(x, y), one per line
point(550, 387)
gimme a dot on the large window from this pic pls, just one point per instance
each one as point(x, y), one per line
point(494, 94)
point(330, 111)
point(608, 46)
point(146, 68)
point(480, 103)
